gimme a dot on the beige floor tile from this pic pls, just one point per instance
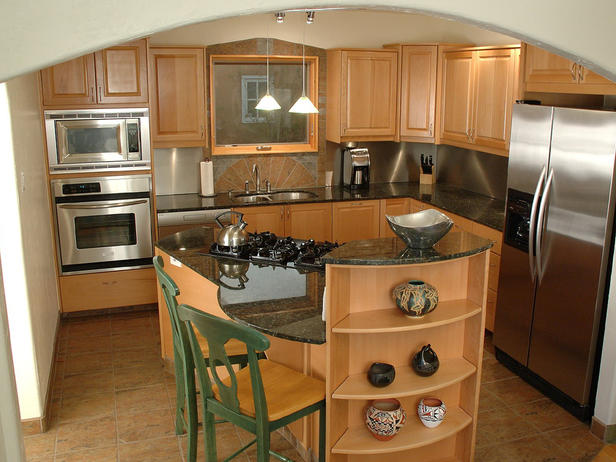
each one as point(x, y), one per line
point(578, 442)
point(532, 449)
point(135, 377)
point(91, 434)
point(92, 362)
point(41, 445)
point(488, 400)
point(142, 399)
point(227, 442)
point(133, 342)
point(91, 344)
point(160, 450)
point(89, 328)
point(87, 407)
point(545, 415)
point(134, 358)
point(87, 383)
point(492, 370)
point(501, 425)
point(145, 426)
point(513, 391)
point(109, 454)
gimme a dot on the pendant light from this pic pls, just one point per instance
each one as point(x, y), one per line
point(268, 102)
point(303, 105)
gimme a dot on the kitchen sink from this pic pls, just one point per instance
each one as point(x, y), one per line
point(251, 198)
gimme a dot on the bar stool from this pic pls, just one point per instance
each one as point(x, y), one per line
point(185, 390)
point(260, 398)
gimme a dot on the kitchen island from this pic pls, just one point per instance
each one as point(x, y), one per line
point(362, 325)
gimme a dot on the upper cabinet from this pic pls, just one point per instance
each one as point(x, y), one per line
point(362, 95)
point(177, 96)
point(478, 88)
point(547, 72)
point(115, 75)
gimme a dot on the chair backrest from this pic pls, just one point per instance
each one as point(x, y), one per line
point(217, 332)
point(170, 291)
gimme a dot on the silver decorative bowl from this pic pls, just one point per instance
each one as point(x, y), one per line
point(420, 230)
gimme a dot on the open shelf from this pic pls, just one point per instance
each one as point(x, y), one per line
point(407, 382)
point(359, 440)
point(393, 320)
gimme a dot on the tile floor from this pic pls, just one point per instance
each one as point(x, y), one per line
point(112, 401)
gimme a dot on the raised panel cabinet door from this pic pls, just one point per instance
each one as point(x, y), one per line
point(122, 73)
point(264, 218)
point(355, 220)
point(369, 86)
point(70, 83)
point(494, 96)
point(603, 85)
point(177, 97)
point(541, 66)
point(418, 92)
point(458, 75)
point(309, 221)
point(392, 207)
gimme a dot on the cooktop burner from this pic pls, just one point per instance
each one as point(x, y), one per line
point(268, 248)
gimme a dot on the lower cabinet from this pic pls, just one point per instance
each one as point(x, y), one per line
point(301, 221)
point(392, 207)
point(95, 291)
point(354, 220)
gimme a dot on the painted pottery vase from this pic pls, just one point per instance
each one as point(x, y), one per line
point(431, 412)
point(385, 418)
point(381, 374)
point(415, 298)
point(425, 362)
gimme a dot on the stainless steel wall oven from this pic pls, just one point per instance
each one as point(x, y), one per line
point(103, 223)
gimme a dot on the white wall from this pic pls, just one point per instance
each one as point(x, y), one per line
point(27, 247)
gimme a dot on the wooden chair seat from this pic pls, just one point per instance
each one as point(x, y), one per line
point(286, 390)
point(607, 454)
point(233, 347)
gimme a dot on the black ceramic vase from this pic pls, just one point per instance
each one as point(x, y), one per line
point(425, 362)
point(381, 374)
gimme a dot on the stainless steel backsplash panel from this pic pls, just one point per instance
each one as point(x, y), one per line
point(176, 170)
point(472, 170)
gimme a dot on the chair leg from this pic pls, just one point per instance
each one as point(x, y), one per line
point(322, 434)
point(180, 396)
point(209, 434)
point(263, 444)
point(192, 419)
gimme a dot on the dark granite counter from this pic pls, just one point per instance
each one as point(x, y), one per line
point(288, 302)
point(475, 207)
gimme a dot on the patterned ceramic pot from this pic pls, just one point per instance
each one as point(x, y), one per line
point(431, 412)
point(385, 418)
point(415, 298)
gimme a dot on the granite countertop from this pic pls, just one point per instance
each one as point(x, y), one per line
point(288, 302)
point(476, 207)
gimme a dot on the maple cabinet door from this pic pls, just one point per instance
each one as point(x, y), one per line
point(309, 221)
point(122, 73)
point(70, 83)
point(457, 96)
point(264, 218)
point(355, 220)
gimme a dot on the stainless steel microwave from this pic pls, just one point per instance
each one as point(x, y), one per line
point(98, 139)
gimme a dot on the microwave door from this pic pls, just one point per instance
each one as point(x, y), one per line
point(92, 140)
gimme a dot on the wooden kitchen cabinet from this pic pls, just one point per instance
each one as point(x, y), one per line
point(392, 207)
point(478, 89)
point(177, 96)
point(361, 95)
point(547, 72)
point(355, 220)
point(115, 75)
point(300, 221)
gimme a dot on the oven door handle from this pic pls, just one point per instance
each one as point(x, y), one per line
point(101, 206)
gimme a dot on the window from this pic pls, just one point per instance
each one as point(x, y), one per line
point(238, 82)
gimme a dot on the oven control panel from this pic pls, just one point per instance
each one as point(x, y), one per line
point(81, 188)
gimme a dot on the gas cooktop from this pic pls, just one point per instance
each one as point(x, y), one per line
point(267, 248)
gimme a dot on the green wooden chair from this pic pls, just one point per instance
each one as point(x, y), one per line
point(186, 401)
point(261, 398)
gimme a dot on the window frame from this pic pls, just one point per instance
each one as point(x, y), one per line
point(312, 91)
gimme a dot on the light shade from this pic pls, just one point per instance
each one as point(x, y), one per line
point(304, 106)
point(267, 103)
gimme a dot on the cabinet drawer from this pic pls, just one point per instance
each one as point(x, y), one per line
point(494, 270)
point(108, 290)
point(490, 310)
point(489, 233)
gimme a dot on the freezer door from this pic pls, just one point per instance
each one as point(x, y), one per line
point(574, 247)
point(529, 153)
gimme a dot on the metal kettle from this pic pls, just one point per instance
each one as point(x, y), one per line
point(232, 235)
point(233, 269)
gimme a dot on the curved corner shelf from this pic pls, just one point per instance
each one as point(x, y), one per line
point(407, 382)
point(393, 320)
point(359, 440)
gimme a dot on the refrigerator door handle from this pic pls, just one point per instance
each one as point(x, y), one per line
point(540, 222)
point(533, 219)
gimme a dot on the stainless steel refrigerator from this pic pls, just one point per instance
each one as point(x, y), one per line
point(556, 249)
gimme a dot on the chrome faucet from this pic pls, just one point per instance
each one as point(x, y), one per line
point(255, 172)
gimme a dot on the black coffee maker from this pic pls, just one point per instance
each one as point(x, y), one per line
point(355, 168)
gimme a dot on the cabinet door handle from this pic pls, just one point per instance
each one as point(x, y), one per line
point(581, 73)
point(201, 130)
point(288, 213)
point(282, 213)
point(472, 135)
point(264, 148)
point(92, 94)
point(574, 71)
point(100, 94)
point(430, 129)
